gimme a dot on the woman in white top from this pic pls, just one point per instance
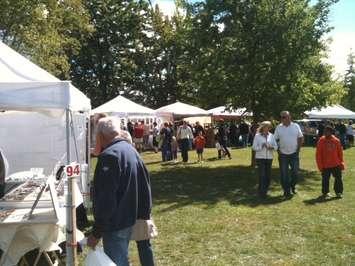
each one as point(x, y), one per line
point(264, 144)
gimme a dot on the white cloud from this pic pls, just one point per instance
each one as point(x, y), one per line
point(339, 50)
point(167, 7)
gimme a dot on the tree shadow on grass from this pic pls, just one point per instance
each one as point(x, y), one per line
point(181, 186)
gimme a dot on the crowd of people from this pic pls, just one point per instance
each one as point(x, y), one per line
point(287, 140)
point(182, 136)
point(122, 193)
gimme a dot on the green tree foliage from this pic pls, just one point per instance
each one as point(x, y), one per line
point(349, 81)
point(47, 31)
point(162, 79)
point(263, 55)
point(109, 62)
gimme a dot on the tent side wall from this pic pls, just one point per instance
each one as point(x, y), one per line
point(34, 140)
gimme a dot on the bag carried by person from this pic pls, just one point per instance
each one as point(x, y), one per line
point(98, 257)
point(143, 230)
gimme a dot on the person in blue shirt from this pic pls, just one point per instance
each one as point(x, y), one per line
point(122, 192)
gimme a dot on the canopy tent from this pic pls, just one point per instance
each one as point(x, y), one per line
point(180, 110)
point(222, 111)
point(25, 86)
point(37, 134)
point(331, 112)
point(46, 127)
point(121, 106)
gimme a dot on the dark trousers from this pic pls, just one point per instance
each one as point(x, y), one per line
point(166, 152)
point(338, 182)
point(145, 253)
point(185, 144)
point(264, 169)
point(289, 180)
point(224, 146)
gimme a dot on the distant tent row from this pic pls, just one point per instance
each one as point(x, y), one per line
point(331, 112)
point(123, 107)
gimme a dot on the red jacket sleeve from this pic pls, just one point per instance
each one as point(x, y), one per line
point(319, 153)
point(340, 155)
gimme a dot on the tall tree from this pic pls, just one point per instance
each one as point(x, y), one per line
point(46, 31)
point(161, 80)
point(255, 54)
point(107, 63)
point(349, 81)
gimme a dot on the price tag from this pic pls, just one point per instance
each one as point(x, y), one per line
point(72, 170)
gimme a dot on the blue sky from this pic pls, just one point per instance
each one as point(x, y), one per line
point(342, 18)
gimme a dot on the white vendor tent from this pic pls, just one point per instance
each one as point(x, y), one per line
point(44, 120)
point(180, 110)
point(331, 112)
point(123, 107)
point(222, 111)
point(43, 125)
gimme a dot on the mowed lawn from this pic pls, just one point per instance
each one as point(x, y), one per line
point(209, 214)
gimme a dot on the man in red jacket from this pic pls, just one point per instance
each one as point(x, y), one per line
point(330, 161)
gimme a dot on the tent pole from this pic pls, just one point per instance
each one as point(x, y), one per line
point(88, 161)
point(70, 206)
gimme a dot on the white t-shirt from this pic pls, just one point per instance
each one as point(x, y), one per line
point(288, 137)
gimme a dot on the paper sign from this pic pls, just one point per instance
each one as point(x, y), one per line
point(72, 170)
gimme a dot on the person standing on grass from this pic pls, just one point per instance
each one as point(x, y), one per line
point(200, 143)
point(264, 144)
point(290, 138)
point(222, 140)
point(122, 194)
point(329, 157)
point(184, 135)
point(138, 136)
point(244, 132)
point(166, 135)
point(155, 133)
point(350, 133)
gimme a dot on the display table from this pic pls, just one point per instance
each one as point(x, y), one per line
point(31, 218)
point(18, 235)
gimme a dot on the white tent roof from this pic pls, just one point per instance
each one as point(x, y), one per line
point(25, 86)
point(123, 106)
point(223, 111)
point(331, 112)
point(181, 109)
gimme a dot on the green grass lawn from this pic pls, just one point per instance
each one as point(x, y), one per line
point(209, 214)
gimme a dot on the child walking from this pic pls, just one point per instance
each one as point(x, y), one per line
point(200, 143)
point(329, 156)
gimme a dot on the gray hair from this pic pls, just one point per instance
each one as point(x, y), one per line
point(285, 113)
point(109, 126)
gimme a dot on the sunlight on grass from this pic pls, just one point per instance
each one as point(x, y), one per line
point(208, 214)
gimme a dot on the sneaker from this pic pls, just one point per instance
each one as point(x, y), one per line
point(339, 195)
point(293, 190)
point(326, 195)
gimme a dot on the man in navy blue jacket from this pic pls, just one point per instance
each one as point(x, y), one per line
point(122, 192)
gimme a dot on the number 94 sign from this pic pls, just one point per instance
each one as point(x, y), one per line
point(72, 170)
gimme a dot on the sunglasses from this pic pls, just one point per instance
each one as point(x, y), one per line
point(283, 117)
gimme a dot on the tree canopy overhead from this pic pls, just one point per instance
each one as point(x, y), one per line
point(260, 54)
point(254, 54)
point(46, 31)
